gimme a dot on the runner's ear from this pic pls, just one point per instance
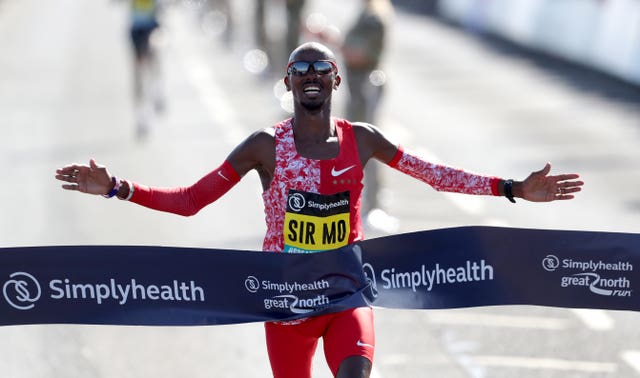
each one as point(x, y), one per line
point(337, 82)
point(286, 83)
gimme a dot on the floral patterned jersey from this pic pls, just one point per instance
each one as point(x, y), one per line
point(313, 205)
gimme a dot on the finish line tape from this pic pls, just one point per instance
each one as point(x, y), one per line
point(437, 269)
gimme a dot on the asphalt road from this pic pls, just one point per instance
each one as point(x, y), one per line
point(65, 96)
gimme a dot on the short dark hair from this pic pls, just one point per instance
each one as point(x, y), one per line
point(328, 54)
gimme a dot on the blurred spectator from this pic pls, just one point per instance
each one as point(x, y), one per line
point(260, 30)
point(291, 39)
point(146, 70)
point(294, 16)
point(362, 50)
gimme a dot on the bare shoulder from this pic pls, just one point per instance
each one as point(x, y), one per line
point(262, 138)
point(367, 134)
point(363, 129)
point(372, 142)
point(257, 151)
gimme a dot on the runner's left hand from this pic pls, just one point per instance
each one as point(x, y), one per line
point(540, 187)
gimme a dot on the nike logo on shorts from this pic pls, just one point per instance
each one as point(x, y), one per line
point(361, 344)
point(221, 175)
point(337, 173)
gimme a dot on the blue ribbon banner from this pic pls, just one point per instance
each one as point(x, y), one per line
point(438, 269)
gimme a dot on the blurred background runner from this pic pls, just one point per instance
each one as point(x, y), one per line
point(362, 51)
point(148, 96)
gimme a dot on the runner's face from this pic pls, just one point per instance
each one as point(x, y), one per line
point(312, 90)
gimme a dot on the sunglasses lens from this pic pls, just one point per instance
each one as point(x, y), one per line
point(299, 68)
point(322, 68)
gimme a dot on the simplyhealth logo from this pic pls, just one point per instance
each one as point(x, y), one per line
point(427, 277)
point(588, 274)
point(21, 291)
point(288, 297)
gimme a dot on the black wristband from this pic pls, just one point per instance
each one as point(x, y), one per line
point(508, 190)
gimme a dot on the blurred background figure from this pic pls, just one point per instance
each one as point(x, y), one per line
point(148, 95)
point(294, 29)
point(259, 23)
point(278, 51)
point(362, 51)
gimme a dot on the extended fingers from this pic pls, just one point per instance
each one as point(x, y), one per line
point(570, 184)
point(564, 177)
point(70, 187)
point(574, 189)
point(69, 174)
point(68, 171)
point(67, 178)
point(74, 166)
point(565, 190)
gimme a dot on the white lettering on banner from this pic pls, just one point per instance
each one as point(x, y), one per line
point(620, 266)
point(286, 287)
point(618, 286)
point(122, 293)
point(472, 271)
point(615, 287)
point(296, 305)
point(290, 301)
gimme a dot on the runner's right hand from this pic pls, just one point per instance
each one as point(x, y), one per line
point(91, 179)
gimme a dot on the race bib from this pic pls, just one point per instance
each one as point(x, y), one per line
point(316, 222)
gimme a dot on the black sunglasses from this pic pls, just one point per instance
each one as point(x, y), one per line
point(321, 67)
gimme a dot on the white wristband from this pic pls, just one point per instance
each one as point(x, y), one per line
point(128, 197)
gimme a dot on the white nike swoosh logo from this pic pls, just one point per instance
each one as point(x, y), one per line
point(221, 175)
point(361, 344)
point(335, 173)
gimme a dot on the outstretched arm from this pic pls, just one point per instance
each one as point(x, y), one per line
point(188, 200)
point(539, 186)
point(256, 152)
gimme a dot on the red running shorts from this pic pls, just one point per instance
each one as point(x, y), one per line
point(291, 345)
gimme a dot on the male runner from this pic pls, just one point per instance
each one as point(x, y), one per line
point(313, 157)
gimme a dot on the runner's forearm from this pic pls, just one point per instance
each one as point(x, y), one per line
point(187, 200)
point(444, 178)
